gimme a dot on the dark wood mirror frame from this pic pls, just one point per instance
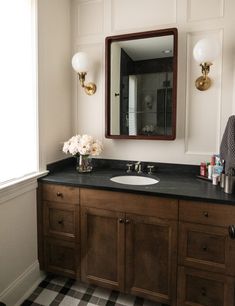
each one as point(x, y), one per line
point(134, 36)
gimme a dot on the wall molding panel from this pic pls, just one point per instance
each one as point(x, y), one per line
point(147, 14)
point(94, 25)
point(203, 107)
point(199, 10)
point(30, 278)
point(201, 116)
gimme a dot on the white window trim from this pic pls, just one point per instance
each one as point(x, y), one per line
point(15, 188)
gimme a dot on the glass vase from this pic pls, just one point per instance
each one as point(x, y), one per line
point(84, 164)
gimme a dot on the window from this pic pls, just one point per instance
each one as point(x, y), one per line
point(18, 90)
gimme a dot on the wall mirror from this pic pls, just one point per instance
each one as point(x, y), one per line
point(141, 85)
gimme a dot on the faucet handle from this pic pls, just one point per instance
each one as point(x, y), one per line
point(129, 166)
point(137, 166)
point(150, 169)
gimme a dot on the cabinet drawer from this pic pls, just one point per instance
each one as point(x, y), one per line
point(205, 247)
point(201, 288)
point(62, 257)
point(130, 203)
point(61, 220)
point(206, 213)
point(61, 194)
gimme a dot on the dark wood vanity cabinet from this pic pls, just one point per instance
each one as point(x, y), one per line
point(127, 249)
point(58, 227)
point(170, 251)
point(206, 255)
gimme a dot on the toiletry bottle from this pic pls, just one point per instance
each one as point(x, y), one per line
point(218, 168)
point(222, 175)
point(203, 169)
point(211, 167)
point(210, 171)
point(213, 157)
point(215, 179)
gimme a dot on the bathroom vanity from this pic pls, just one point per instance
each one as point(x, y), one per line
point(170, 245)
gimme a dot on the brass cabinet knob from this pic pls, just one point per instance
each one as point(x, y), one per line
point(127, 221)
point(203, 291)
point(121, 220)
point(61, 221)
point(231, 231)
point(59, 194)
point(205, 214)
point(204, 248)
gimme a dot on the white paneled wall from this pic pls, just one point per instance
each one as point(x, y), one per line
point(201, 116)
point(199, 10)
point(126, 15)
point(18, 246)
point(203, 108)
point(54, 80)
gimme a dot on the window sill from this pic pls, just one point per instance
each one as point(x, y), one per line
point(19, 186)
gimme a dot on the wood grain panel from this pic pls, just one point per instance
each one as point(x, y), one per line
point(151, 258)
point(130, 203)
point(199, 288)
point(60, 193)
point(205, 247)
point(103, 247)
point(206, 213)
point(62, 257)
point(61, 220)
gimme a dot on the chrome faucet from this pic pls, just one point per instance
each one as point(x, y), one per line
point(138, 167)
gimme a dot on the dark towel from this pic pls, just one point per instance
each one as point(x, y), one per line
point(227, 146)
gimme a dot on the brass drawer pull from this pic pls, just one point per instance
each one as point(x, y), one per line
point(59, 194)
point(205, 214)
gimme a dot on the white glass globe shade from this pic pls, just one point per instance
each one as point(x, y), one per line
point(206, 50)
point(80, 62)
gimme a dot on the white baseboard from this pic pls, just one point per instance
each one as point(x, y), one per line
point(23, 286)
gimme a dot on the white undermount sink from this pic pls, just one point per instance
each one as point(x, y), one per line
point(134, 180)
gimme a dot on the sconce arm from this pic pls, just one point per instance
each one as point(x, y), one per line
point(82, 76)
point(205, 68)
point(89, 88)
point(204, 82)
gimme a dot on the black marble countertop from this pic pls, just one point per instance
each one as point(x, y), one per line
point(176, 181)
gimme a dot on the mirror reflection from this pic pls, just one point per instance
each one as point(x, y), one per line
point(141, 85)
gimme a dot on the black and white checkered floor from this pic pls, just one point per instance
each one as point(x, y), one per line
point(56, 291)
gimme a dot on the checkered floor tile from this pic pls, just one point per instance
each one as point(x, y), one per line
point(54, 291)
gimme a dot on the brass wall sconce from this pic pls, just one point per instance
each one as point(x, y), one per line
point(80, 64)
point(204, 52)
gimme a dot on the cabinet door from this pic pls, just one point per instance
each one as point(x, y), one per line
point(202, 288)
point(102, 261)
point(151, 257)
